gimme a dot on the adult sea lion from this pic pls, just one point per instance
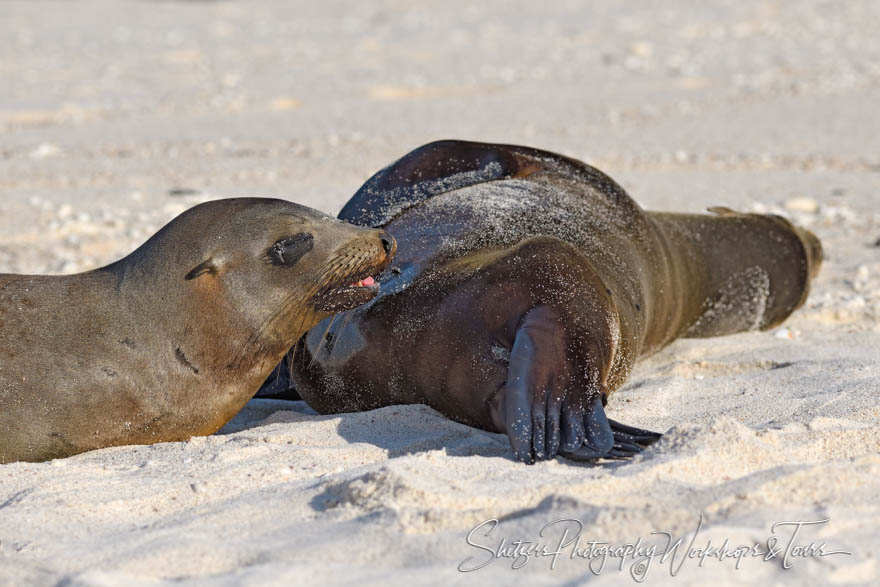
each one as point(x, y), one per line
point(171, 341)
point(526, 286)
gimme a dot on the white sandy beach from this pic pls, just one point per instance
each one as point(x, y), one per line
point(115, 117)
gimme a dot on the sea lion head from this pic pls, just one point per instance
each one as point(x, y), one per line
point(266, 267)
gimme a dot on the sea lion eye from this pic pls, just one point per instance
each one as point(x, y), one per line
point(287, 251)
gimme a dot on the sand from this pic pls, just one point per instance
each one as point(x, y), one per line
point(117, 116)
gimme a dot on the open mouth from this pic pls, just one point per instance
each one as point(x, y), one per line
point(364, 288)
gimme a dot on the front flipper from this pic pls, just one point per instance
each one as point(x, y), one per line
point(430, 170)
point(540, 418)
point(443, 166)
point(530, 404)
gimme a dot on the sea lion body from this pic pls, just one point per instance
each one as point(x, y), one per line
point(171, 341)
point(526, 286)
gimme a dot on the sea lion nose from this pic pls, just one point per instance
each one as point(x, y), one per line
point(388, 243)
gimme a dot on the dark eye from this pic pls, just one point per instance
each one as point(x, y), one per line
point(288, 250)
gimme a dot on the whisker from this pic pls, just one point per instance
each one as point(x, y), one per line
point(346, 264)
point(291, 355)
point(345, 320)
point(323, 340)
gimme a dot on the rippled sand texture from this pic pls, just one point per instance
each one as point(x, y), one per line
point(114, 117)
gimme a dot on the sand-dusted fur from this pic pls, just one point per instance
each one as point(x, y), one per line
point(526, 287)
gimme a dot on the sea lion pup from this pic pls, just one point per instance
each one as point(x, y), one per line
point(526, 286)
point(171, 341)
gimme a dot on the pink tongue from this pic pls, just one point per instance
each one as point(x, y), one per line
point(368, 281)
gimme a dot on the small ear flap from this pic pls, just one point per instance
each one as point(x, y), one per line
point(208, 266)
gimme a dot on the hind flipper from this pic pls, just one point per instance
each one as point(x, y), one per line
point(627, 441)
point(633, 434)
